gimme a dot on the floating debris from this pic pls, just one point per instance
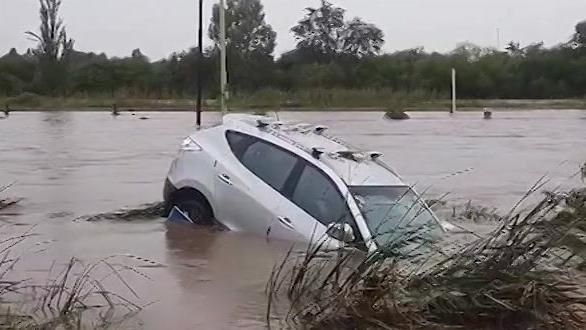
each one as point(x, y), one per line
point(8, 202)
point(396, 115)
point(115, 111)
point(146, 212)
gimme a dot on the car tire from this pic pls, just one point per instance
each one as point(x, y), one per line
point(197, 210)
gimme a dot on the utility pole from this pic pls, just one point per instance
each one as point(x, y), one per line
point(453, 110)
point(223, 73)
point(199, 66)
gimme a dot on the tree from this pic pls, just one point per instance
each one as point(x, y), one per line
point(138, 55)
point(53, 45)
point(534, 49)
point(247, 32)
point(580, 35)
point(471, 52)
point(514, 49)
point(362, 39)
point(324, 34)
point(321, 29)
point(16, 73)
point(250, 43)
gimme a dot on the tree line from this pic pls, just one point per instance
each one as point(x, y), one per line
point(332, 52)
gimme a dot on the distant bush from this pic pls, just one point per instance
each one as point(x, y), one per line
point(396, 115)
point(25, 99)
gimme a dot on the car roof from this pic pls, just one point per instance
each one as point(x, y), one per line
point(355, 166)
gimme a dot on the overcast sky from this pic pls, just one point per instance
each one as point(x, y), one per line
point(159, 27)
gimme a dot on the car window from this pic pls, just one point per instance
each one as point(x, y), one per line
point(319, 197)
point(391, 212)
point(270, 163)
point(239, 142)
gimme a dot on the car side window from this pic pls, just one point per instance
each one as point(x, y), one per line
point(317, 195)
point(270, 163)
point(239, 143)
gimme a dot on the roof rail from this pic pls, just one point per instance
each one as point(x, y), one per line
point(353, 153)
point(317, 152)
point(262, 123)
point(320, 129)
point(374, 154)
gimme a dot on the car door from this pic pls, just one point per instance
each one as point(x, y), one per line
point(248, 183)
point(314, 202)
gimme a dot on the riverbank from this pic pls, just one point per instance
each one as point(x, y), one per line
point(33, 102)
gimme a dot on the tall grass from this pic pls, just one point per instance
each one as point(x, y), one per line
point(521, 276)
point(75, 298)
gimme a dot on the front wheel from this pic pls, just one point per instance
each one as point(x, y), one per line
point(198, 211)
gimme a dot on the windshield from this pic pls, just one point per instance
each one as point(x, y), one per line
point(393, 211)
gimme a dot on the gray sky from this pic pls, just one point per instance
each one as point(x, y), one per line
point(159, 27)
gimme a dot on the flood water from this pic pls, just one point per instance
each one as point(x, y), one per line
point(72, 164)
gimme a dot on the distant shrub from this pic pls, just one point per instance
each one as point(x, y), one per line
point(396, 115)
point(26, 99)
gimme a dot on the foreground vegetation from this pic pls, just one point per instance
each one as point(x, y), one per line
point(74, 296)
point(527, 274)
point(336, 63)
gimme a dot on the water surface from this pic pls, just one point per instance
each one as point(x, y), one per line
point(71, 164)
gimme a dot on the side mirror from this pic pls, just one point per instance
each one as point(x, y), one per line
point(342, 232)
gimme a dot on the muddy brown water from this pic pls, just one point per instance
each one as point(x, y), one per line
point(72, 164)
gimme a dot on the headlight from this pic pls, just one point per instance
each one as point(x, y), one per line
point(190, 145)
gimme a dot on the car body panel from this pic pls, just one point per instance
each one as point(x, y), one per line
point(241, 207)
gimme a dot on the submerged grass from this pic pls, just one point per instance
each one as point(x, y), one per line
point(76, 298)
point(521, 276)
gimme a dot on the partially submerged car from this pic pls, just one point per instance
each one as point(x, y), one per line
point(292, 181)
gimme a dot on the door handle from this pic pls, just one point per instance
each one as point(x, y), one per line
point(286, 222)
point(226, 179)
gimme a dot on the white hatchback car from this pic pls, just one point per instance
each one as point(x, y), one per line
point(292, 181)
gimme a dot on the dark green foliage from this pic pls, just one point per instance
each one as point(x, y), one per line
point(331, 54)
point(247, 33)
point(53, 49)
point(250, 43)
point(323, 35)
point(580, 36)
point(16, 72)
